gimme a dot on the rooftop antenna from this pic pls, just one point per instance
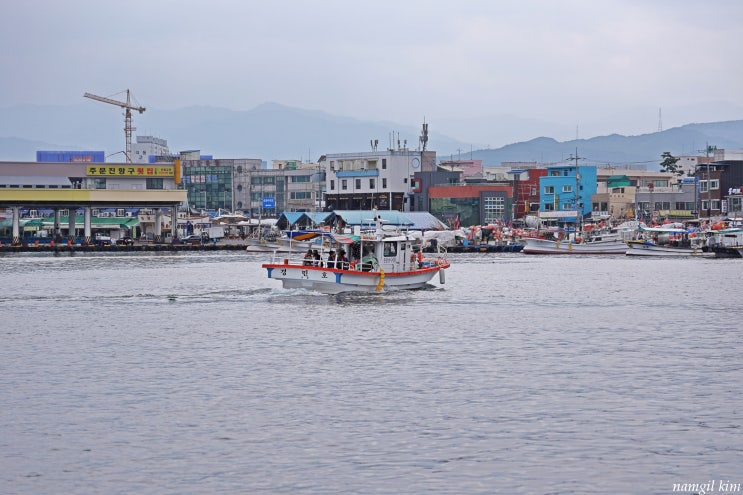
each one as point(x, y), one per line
point(424, 135)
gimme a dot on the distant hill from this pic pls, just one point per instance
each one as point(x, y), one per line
point(272, 131)
point(644, 149)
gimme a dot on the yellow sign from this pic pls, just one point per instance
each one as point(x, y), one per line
point(130, 171)
point(177, 166)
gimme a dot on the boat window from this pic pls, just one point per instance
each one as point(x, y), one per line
point(390, 249)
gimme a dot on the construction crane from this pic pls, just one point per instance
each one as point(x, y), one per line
point(127, 105)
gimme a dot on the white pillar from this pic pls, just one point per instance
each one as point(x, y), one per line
point(71, 225)
point(158, 225)
point(16, 225)
point(88, 234)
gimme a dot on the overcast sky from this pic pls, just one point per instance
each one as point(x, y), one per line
point(486, 71)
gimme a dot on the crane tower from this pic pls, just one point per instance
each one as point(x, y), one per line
point(128, 107)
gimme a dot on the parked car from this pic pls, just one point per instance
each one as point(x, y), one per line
point(125, 241)
point(192, 239)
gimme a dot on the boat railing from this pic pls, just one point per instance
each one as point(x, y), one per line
point(299, 258)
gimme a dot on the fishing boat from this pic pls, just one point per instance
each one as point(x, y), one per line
point(598, 246)
point(668, 241)
point(609, 241)
point(378, 260)
point(726, 243)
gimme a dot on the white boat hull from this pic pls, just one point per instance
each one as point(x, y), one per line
point(645, 248)
point(334, 280)
point(270, 247)
point(544, 246)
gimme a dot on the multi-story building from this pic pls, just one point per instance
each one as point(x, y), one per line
point(629, 193)
point(566, 193)
point(245, 185)
point(526, 190)
point(381, 179)
point(720, 182)
point(147, 146)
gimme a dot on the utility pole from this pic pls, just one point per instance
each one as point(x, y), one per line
point(578, 209)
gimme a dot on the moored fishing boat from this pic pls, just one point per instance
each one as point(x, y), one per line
point(649, 248)
point(370, 262)
point(599, 246)
point(610, 241)
point(668, 241)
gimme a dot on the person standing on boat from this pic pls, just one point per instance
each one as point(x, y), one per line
point(341, 260)
point(308, 258)
point(331, 259)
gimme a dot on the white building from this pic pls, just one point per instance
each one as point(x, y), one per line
point(146, 146)
point(381, 179)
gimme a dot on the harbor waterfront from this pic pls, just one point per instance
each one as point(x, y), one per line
point(190, 372)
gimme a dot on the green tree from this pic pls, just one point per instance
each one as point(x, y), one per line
point(670, 164)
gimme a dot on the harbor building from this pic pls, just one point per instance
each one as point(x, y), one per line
point(79, 188)
point(381, 179)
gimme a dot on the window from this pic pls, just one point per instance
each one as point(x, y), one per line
point(384, 182)
point(300, 195)
point(332, 184)
point(99, 183)
point(357, 184)
point(390, 249)
point(371, 184)
point(344, 184)
point(384, 164)
point(154, 183)
point(714, 184)
point(300, 178)
point(549, 189)
point(567, 189)
point(549, 207)
point(494, 208)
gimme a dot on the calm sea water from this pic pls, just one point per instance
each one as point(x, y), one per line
point(194, 374)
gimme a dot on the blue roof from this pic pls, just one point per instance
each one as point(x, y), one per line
point(320, 216)
point(366, 217)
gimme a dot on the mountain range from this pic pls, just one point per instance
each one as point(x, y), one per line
point(273, 131)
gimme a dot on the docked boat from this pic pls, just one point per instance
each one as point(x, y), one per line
point(370, 262)
point(668, 241)
point(602, 241)
point(596, 246)
point(290, 241)
point(727, 243)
